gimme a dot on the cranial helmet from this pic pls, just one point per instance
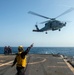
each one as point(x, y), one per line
point(20, 48)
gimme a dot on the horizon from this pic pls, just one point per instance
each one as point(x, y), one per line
point(16, 24)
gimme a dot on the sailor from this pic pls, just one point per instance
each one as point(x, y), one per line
point(20, 60)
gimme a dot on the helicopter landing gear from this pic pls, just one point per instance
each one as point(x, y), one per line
point(46, 33)
point(59, 30)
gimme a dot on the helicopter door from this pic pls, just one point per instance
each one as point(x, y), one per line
point(54, 25)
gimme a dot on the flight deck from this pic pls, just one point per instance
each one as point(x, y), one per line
point(38, 64)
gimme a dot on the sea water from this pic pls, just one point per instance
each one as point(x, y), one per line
point(68, 51)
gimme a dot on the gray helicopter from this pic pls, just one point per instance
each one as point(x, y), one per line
point(52, 23)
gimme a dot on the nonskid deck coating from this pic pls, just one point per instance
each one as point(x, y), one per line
point(42, 64)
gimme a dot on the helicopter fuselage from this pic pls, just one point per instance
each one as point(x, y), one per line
point(51, 25)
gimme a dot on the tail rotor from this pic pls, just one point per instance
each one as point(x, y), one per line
point(36, 26)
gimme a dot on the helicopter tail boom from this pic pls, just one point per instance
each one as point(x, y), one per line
point(37, 29)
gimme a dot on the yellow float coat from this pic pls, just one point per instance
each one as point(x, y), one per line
point(21, 62)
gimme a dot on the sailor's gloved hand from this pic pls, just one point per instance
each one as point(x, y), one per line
point(30, 46)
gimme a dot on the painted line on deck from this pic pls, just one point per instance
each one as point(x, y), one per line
point(57, 66)
point(5, 63)
point(37, 62)
point(71, 68)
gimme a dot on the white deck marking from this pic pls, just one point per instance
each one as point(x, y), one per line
point(37, 62)
point(58, 66)
point(5, 63)
point(71, 68)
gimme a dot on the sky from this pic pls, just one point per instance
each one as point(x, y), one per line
point(16, 24)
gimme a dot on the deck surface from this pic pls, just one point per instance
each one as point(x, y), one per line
point(38, 64)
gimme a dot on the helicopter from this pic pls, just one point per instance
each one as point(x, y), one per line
point(52, 23)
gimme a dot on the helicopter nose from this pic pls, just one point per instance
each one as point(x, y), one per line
point(64, 24)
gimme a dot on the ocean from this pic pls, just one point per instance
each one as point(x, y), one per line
point(68, 51)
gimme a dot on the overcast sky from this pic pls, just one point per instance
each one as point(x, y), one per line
point(16, 24)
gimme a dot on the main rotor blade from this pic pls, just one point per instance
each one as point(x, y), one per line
point(38, 15)
point(67, 11)
point(44, 22)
